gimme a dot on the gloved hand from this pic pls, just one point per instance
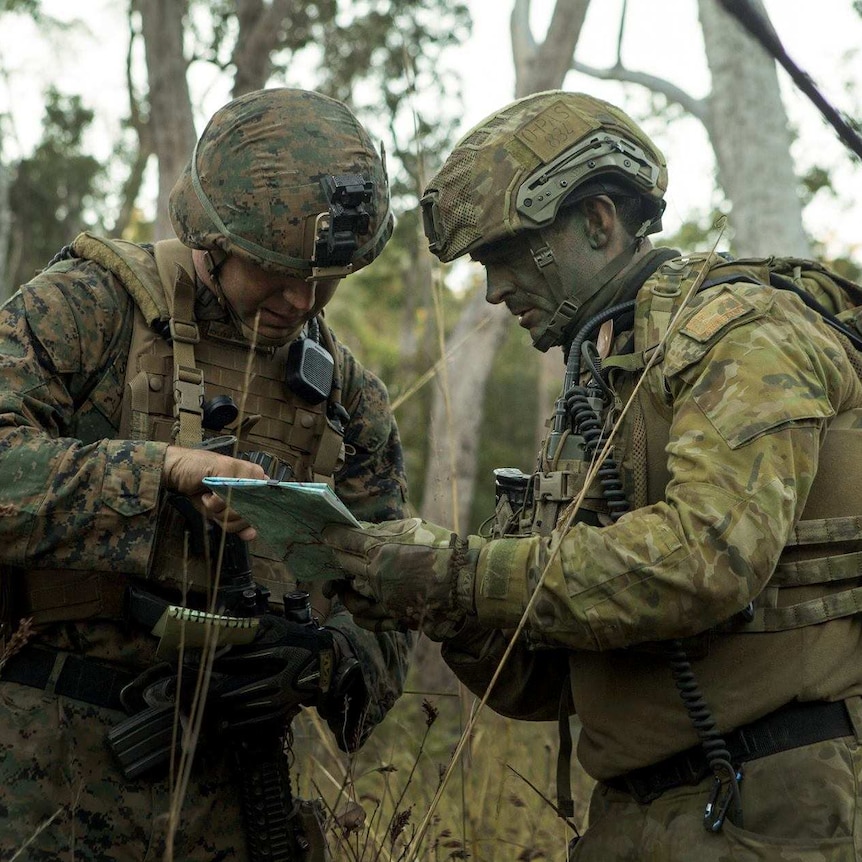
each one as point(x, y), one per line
point(406, 575)
point(264, 683)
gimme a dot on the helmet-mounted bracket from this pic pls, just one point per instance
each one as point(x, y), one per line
point(541, 194)
point(337, 232)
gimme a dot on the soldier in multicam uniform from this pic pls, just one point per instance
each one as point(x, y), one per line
point(700, 611)
point(120, 363)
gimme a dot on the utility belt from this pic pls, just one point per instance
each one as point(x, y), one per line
point(792, 726)
point(83, 678)
point(61, 673)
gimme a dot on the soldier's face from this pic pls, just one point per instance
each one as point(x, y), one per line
point(514, 279)
point(279, 302)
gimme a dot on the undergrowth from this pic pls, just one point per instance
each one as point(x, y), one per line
point(497, 806)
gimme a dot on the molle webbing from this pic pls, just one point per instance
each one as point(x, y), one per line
point(56, 595)
point(825, 548)
point(188, 379)
point(165, 385)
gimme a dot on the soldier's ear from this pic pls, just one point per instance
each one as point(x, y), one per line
point(599, 218)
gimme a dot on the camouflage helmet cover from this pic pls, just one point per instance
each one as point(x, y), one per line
point(254, 186)
point(513, 170)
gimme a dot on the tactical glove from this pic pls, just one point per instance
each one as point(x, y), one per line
point(406, 575)
point(264, 683)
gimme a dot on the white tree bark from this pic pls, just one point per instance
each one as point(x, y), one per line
point(456, 413)
point(747, 126)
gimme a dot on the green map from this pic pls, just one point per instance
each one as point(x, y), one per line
point(289, 518)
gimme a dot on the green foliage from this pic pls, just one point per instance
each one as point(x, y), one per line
point(55, 192)
point(27, 7)
point(816, 179)
point(407, 61)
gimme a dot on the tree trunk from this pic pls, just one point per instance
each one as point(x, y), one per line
point(6, 288)
point(456, 414)
point(260, 26)
point(171, 116)
point(747, 126)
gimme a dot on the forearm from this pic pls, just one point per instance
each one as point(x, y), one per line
point(668, 570)
point(530, 684)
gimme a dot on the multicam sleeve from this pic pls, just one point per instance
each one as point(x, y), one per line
point(68, 502)
point(372, 484)
point(752, 381)
point(532, 685)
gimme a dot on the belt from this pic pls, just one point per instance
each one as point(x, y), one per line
point(796, 724)
point(69, 675)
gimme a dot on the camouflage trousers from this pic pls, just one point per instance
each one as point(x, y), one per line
point(801, 805)
point(62, 798)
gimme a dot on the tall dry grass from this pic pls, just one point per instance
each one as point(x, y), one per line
point(489, 812)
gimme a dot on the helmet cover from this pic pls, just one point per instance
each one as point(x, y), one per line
point(513, 171)
point(267, 167)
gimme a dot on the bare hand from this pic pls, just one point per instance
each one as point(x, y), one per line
point(184, 472)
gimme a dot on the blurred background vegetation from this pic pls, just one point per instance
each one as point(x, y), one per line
point(484, 405)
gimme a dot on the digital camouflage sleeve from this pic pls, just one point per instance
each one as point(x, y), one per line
point(70, 496)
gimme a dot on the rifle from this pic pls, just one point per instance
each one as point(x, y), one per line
point(278, 827)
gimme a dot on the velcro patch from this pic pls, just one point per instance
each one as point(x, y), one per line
point(554, 129)
point(714, 316)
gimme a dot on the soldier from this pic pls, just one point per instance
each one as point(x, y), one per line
point(129, 374)
point(696, 604)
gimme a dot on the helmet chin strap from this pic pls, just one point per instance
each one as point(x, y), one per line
point(570, 301)
point(214, 260)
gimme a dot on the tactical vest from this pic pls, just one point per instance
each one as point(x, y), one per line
point(168, 381)
point(819, 573)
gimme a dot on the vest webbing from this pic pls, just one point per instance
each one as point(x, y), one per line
point(164, 296)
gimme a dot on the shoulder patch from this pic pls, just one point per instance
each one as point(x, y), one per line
point(715, 315)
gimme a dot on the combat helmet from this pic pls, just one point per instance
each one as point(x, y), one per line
point(288, 180)
point(513, 172)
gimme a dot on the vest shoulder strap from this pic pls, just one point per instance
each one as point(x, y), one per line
point(133, 265)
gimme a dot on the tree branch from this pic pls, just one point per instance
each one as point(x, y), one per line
point(546, 67)
point(696, 107)
point(523, 43)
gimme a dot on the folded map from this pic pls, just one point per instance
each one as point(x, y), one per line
point(289, 518)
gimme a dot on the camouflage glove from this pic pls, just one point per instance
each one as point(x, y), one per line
point(263, 684)
point(406, 575)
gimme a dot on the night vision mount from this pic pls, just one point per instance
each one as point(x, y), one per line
point(337, 232)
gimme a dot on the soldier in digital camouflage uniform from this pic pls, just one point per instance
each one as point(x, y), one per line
point(112, 364)
point(699, 612)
